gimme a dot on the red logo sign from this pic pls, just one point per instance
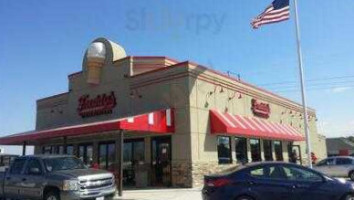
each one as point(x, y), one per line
point(260, 109)
point(100, 105)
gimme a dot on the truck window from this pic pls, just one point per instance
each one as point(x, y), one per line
point(17, 166)
point(34, 167)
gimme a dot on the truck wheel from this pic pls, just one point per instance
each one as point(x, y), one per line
point(52, 195)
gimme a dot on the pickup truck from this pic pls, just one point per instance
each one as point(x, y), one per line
point(55, 177)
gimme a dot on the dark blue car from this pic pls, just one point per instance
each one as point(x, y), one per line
point(275, 181)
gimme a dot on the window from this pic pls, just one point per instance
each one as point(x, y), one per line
point(241, 150)
point(278, 149)
point(107, 155)
point(69, 150)
point(329, 161)
point(268, 150)
point(17, 166)
point(34, 167)
point(47, 150)
point(59, 149)
point(300, 174)
point(344, 161)
point(269, 172)
point(255, 150)
point(85, 153)
point(224, 150)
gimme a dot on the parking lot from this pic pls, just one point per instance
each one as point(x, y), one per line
point(162, 194)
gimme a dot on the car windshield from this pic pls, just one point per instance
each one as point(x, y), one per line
point(63, 163)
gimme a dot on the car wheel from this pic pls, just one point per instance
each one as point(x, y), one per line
point(246, 198)
point(349, 197)
point(52, 195)
point(351, 175)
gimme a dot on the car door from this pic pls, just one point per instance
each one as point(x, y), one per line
point(307, 184)
point(343, 166)
point(267, 182)
point(13, 178)
point(326, 166)
point(32, 182)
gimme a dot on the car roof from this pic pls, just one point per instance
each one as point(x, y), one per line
point(253, 164)
point(340, 157)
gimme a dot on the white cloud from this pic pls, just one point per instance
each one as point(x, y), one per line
point(340, 89)
point(333, 128)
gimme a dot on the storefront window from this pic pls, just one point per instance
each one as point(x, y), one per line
point(47, 149)
point(107, 156)
point(278, 149)
point(255, 150)
point(268, 150)
point(224, 150)
point(70, 150)
point(241, 150)
point(85, 153)
point(59, 149)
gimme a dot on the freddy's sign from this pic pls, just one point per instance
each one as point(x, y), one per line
point(99, 105)
point(260, 109)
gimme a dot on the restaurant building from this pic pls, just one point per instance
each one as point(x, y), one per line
point(180, 120)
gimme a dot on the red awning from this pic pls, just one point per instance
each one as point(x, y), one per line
point(222, 123)
point(154, 122)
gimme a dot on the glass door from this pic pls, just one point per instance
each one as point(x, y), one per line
point(134, 157)
point(85, 153)
point(107, 155)
point(161, 161)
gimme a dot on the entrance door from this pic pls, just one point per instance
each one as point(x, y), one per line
point(134, 157)
point(161, 161)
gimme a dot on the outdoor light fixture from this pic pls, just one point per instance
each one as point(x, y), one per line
point(96, 56)
point(240, 96)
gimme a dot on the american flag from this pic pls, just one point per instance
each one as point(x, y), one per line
point(278, 11)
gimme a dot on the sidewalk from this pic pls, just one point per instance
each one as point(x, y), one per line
point(162, 194)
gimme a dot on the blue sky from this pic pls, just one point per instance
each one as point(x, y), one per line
point(43, 41)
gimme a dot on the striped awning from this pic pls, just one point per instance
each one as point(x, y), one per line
point(226, 123)
point(154, 122)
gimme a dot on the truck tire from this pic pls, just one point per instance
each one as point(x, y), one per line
point(52, 195)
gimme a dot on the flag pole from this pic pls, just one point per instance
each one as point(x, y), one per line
point(302, 81)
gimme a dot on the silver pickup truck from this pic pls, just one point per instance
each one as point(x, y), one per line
point(55, 177)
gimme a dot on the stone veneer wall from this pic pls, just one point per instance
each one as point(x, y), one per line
point(200, 169)
point(192, 175)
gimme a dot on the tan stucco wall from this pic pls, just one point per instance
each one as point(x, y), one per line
point(282, 111)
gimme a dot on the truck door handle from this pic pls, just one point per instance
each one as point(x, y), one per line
point(8, 178)
point(24, 179)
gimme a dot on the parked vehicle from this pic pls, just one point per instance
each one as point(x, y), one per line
point(6, 160)
point(275, 181)
point(338, 166)
point(55, 177)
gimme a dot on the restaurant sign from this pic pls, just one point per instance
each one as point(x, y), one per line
point(260, 109)
point(99, 105)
